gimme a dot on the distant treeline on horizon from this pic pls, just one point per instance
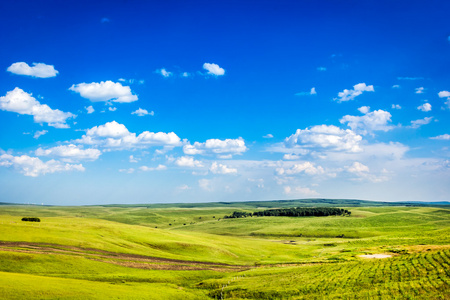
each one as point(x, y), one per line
point(293, 212)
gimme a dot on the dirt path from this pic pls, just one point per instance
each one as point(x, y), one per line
point(122, 259)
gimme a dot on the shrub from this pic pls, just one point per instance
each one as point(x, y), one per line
point(30, 219)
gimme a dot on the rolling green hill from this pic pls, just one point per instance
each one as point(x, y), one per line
point(188, 251)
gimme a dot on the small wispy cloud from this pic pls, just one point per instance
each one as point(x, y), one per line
point(163, 72)
point(311, 92)
point(214, 69)
point(425, 107)
point(358, 89)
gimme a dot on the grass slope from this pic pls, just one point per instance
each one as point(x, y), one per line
point(112, 252)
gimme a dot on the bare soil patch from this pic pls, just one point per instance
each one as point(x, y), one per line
point(375, 256)
point(122, 259)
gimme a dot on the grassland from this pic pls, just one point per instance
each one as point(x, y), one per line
point(186, 251)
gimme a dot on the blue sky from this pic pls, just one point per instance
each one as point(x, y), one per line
point(175, 101)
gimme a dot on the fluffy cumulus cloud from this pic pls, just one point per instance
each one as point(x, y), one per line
point(305, 167)
point(105, 91)
point(39, 70)
point(358, 168)
point(142, 112)
point(21, 102)
point(216, 146)
point(358, 89)
point(424, 107)
point(362, 172)
point(33, 166)
point(113, 135)
point(445, 94)
point(371, 121)
point(213, 69)
point(89, 109)
point(70, 153)
point(325, 137)
point(217, 168)
point(188, 161)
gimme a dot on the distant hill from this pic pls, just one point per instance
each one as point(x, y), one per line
point(288, 203)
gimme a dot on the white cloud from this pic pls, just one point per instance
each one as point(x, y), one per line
point(38, 133)
point(312, 92)
point(371, 121)
point(305, 167)
point(33, 166)
point(323, 136)
point(142, 112)
point(216, 146)
point(213, 69)
point(358, 89)
point(221, 169)
point(300, 191)
point(185, 74)
point(362, 173)
point(112, 108)
point(70, 153)
point(396, 86)
point(188, 161)
point(268, 136)
point(40, 70)
point(163, 72)
point(358, 168)
point(158, 168)
point(128, 171)
point(321, 69)
point(420, 122)
point(205, 184)
point(364, 109)
point(89, 109)
point(445, 94)
point(183, 187)
point(396, 106)
point(133, 159)
point(291, 157)
point(424, 107)
point(105, 91)
point(23, 103)
point(420, 90)
point(410, 78)
point(114, 135)
point(441, 137)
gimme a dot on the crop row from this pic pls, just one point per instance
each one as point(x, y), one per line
point(416, 276)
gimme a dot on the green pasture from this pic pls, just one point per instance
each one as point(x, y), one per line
point(268, 257)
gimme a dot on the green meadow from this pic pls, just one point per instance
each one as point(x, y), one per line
point(189, 251)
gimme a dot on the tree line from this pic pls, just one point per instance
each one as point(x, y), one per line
point(293, 212)
point(31, 219)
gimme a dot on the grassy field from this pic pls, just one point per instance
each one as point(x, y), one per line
point(186, 251)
